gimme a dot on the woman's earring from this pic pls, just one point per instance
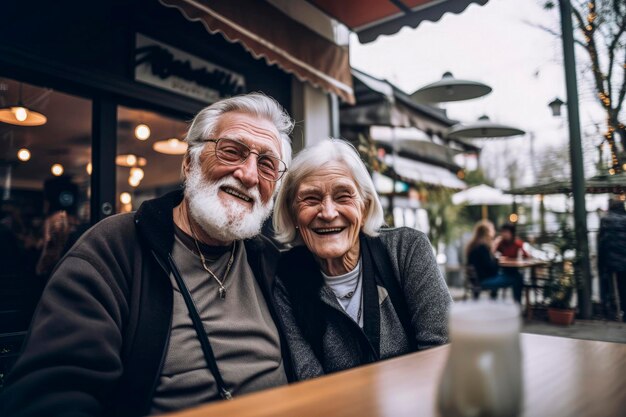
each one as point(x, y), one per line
point(297, 227)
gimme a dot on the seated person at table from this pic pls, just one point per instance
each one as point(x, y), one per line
point(480, 256)
point(507, 244)
point(353, 293)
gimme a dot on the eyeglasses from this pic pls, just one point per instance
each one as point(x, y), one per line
point(232, 152)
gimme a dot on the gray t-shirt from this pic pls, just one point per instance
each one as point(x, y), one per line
point(242, 333)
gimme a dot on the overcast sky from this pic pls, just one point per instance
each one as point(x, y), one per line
point(497, 45)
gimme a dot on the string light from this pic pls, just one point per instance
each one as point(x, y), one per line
point(142, 131)
point(137, 172)
point(134, 181)
point(57, 170)
point(23, 154)
point(125, 198)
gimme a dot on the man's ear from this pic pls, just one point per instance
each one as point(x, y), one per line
point(186, 165)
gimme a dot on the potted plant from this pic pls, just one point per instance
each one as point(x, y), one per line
point(559, 292)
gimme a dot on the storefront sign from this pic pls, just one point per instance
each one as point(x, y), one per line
point(171, 69)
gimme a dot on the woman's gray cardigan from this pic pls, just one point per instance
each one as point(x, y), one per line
point(324, 339)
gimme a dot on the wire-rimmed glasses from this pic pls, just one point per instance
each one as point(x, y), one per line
point(232, 152)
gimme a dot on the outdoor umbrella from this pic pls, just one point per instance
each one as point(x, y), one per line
point(482, 195)
point(450, 89)
point(483, 128)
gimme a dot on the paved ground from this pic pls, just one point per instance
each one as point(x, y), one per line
point(607, 331)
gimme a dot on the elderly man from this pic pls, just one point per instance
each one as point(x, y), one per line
point(169, 307)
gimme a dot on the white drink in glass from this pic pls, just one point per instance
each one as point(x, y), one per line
point(483, 375)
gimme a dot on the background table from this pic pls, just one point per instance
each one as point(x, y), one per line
point(505, 262)
point(562, 377)
point(533, 265)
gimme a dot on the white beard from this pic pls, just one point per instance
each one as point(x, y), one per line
point(224, 220)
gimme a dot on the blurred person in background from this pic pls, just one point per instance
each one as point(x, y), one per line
point(480, 255)
point(612, 258)
point(61, 226)
point(508, 245)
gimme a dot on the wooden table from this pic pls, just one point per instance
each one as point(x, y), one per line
point(562, 377)
point(530, 263)
point(505, 262)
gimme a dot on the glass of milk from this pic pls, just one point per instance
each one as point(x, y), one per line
point(483, 375)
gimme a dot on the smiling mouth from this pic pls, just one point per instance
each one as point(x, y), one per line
point(237, 194)
point(328, 230)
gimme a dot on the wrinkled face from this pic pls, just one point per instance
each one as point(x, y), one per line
point(329, 211)
point(261, 136)
point(230, 202)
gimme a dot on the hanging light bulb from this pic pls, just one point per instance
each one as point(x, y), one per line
point(57, 170)
point(89, 168)
point(137, 172)
point(172, 146)
point(131, 159)
point(23, 154)
point(125, 198)
point(20, 113)
point(133, 181)
point(142, 131)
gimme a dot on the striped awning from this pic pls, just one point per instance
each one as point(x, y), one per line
point(268, 33)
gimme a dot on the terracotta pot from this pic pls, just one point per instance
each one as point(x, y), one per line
point(561, 317)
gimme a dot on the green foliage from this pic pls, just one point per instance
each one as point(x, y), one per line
point(369, 155)
point(477, 177)
point(566, 239)
point(444, 218)
point(559, 290)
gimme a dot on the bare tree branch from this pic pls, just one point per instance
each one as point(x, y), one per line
point(622, 91)
point(553, 32)
point(613, 45)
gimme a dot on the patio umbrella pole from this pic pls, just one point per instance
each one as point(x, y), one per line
point(484, 211)
point(576, 157)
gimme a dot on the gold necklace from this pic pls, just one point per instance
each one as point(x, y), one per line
point(222, 290)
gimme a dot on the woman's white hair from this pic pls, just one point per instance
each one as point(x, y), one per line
point(256, 104)
point(311, 160)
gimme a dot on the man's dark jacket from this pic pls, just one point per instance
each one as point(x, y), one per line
point(100, 333)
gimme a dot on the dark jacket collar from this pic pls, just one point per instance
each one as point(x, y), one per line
point(155, 225)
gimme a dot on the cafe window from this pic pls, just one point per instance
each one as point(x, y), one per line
point(45, 167)
point(150, 151)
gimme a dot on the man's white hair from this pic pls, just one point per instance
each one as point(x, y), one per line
point(309, 161)
point(256, 104)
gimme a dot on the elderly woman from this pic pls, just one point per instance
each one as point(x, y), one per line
point(354, 293)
